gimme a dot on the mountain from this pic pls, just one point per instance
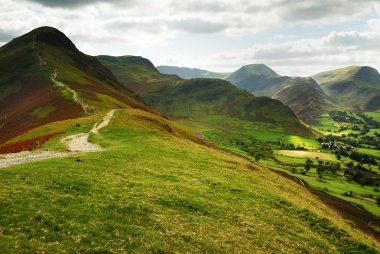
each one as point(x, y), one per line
point(302, 95)
point(212, 101)
point(305, 98)
point(258, 79)
point(189, 73)
point(45, 78)
point(357, 87)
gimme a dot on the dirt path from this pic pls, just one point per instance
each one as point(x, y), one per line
point(75, 143)
point(24, 157)
point(79, 142)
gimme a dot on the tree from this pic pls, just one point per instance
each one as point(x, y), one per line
point(258, 157)
point(307, 167)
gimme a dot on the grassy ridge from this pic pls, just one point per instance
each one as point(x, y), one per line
point(153, 192)
point(356, 87)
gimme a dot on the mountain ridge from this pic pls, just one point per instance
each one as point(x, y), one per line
point(27, 66)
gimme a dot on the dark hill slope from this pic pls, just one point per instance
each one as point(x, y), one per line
point(135, 72)
point(214, 101)
point(357, 87)
point(305, 98)
point(28, 94)
point(189, 73)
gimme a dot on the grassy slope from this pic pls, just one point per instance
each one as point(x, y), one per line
point(153, 192)
point(357, 87)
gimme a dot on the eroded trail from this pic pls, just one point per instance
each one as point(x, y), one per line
point(86, 108)
point(79, 142)
point(75, 143)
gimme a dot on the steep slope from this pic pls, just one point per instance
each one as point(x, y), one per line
point(212, 101)
point(152, 190)
point(258, 79)
point(189, 73)
point(357, 87)
point(44, 78)
point(305, 98)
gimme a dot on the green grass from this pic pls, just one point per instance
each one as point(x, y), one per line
point(150, 192)
point(374, 115)
point(369, 151)
point(8, 91)
point(43, 111)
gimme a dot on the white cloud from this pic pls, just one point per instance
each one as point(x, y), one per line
point(124, 25)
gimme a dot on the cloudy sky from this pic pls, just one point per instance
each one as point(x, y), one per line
point(294, 37)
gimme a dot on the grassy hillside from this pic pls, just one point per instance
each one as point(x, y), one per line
point(154, 190)
point(305, 98)
point(190, 73)
point(219, 103)
point(29, 95)
point(357, 87)
point(212, 101)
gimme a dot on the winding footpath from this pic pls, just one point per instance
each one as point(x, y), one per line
point(74, 143)
point(86, 108)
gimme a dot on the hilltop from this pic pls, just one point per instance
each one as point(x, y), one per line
point(357, 87)
point(258, 79)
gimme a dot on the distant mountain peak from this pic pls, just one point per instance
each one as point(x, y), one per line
point(259, 69)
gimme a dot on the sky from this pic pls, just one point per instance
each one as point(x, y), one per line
point(293, 37)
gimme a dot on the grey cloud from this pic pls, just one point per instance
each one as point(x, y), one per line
point(194, 25)
point(74, 3)
point(304, 10)
point(161, 25)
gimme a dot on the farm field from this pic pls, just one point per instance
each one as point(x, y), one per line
point(307, 154)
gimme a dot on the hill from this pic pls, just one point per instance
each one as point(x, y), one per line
point(356, 87)
point(258, 79)
point(212, 101)
point(189, 73)
point(302, 95)
point(45, 78)
point(305, 98)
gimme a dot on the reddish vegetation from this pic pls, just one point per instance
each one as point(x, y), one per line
point(27, 144)
point(36, 92)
